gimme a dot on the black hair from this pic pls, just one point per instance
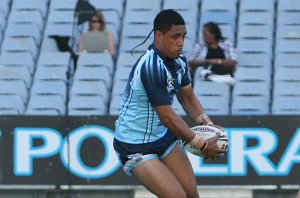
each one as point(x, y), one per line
point(215, 30)
point(163, 22)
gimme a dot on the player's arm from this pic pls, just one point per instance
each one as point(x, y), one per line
point(192, 106)
point(179, 127)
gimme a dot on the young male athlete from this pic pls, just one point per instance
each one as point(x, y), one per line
point(148, 131)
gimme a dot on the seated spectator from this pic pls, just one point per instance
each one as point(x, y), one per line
point(97, 38)
point(216, 58)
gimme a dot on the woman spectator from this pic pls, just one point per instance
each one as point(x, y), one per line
point(216, 59)
point(97, 24)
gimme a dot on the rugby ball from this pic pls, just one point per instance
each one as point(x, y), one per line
point(207, 132)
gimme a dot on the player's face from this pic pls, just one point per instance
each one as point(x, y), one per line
point(170, 43)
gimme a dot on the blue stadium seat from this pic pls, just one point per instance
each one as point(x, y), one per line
point(250, 105)
point(154, 5)
point(210, 88)
point(16, 74)
point(286, 105)
point(49, 87)
point(251, 89)
point(287, 74)
point(47, 102)
point(287, 46)
point(94, 74)
point(86, 105)
point(90, 88)
point(96, 60)
point(12, 103)
point(10, 44)
point(40, 5)
point(215, 105)
point(18, 59)
point(115, 5)
point(63, 5)
point(286, 88)
point(287, 60)
point(27, 17)
point(11, 87)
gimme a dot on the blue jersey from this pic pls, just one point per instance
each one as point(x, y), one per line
point(153, 81)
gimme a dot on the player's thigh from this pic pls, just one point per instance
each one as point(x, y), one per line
point(158, 179)
point(179, 164)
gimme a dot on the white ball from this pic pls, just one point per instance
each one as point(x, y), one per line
point(207, 132)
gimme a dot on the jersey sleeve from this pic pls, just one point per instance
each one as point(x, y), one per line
point(154, 79)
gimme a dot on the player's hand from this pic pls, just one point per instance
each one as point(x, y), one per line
point(212, 150)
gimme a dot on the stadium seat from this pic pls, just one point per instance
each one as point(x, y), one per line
point(214, 105)
point(287, 60)
point(181, 5)
point(12, 87)
point(24, 31)
point(61, 16)
point(154, 5)
point(49, 45)
point(288, 32)
point(219, 5)
point(287, 46)
point(94, 74)
point(49, 87)
point(63, 5)
point(286, 105)
point(255, 60)
point(58, 29)
point(251, 89)
point(122, 73)
point(286, 88)
point(126, 59)
point(128, 44)
point(255, 46)
point(287, 74)
point(16, 74)
point(40, 5)
point(96, 60)
point(90, 88)
point(87, 105)
point(255, 32)
point(115, 5)
point(223, 18)
point(10, 44)
point(55, 59)
point(51, 73)
point(4, 8)
point(210, 88)
point(257, 6)
point(119, 87)
point(288, 18)
point(115, 104)
point(18, 59)
point(253, 74)
point(288, 6)
point(12, 103)
point(47, 102)
point(256, 18)
point(27, 17)
point(250, 105)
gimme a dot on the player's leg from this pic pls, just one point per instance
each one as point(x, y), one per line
point(158, 179)
point(178, 162)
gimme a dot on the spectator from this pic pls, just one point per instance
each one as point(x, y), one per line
point(216, 58)
point(97, 38)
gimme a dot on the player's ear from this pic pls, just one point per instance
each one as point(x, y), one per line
point(158, 35)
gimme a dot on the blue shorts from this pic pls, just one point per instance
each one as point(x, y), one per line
point(132, 155)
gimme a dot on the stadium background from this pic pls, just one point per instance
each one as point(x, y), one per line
point(38, 80)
